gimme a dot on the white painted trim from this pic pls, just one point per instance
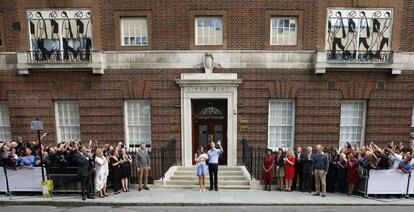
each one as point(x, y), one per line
point(412, 118)
point(6, 106)
point(122, 22)
point(296, 18)
point(126, 121)
point(196, 33)
point(55, 103)
point(364, 117)
point(292, 142)
point(204, 89)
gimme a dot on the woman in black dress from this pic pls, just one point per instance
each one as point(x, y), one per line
point(115, 161)
point(125, 169)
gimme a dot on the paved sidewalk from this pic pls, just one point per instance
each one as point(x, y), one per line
point(221, 198)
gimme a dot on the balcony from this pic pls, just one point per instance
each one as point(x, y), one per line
point(359, 56)
point(58, 57)
point(358, 60)
point(59, 60)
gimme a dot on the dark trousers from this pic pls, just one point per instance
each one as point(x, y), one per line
point(298, 178)
point(116, 177)
point(86, 186)
point(212, 170)
point(307, 182)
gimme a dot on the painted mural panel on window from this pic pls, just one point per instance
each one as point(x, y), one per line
point(359, 35)
point(60, 35)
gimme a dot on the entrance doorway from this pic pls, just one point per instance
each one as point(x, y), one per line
point(210, 124)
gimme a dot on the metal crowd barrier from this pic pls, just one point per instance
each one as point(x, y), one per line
point(65, 179)
point(386, 182)
point(20, 180)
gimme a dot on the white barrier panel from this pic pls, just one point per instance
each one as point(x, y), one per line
point(23, 180)
point(3, 186)
point(411, 186)
point(387, 182)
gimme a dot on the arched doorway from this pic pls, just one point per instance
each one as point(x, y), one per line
point(210, 124)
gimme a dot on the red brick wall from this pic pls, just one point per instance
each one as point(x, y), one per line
point(245, 21)
point(317, 108)
point(11, 39)
point(407, 29)
point(171, 20)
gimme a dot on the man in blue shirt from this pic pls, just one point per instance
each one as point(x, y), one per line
point(405, 165)
point(320, 169)
point(213, 155)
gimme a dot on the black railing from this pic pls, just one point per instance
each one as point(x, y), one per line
point(162, 158)
point(66, 180)
point(79, 56)
point(359, 56)
point(252, 159)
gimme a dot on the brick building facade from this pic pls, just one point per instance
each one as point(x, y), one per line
point(265, 73)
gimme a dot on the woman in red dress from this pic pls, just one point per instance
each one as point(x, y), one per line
point(289, 169)
point(268, 164)
point(351, 175)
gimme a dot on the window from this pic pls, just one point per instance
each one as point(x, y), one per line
point(5, 134)
point(412, 119)
point(283, 31)
point(281, 123)
point(209, 31)
point(134, 31)
point(412, 124)
point(67, 121)
point(352, 124)
point(137, 123)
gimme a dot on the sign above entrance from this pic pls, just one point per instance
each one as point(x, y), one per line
point(206, 89)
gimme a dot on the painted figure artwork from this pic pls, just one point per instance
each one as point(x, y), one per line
point(359, 35)
point(60, 35)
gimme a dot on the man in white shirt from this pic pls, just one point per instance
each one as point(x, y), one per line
point(213, 155)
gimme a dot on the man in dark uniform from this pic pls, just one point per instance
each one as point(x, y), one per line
point(307, 169)
point(84, 172)
point(298, 170)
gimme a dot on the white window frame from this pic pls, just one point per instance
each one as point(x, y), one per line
point(197, 42)
point(364, 116)
point(126, 124)
point(412, 119)
point(5, 121)
point(412, 123)
point(57, 124)
point(274, 42)
point(122, 19)
point(293, 123)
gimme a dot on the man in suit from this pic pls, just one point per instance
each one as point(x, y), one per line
point(82, 159)
point(298, 170)
point(307, 169)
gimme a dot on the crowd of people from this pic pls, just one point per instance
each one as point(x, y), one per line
point(96, 165)
point(332, 171)
point(305, 170)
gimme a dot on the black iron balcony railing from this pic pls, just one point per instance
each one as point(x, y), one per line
point(341, 56)
point(82, 56)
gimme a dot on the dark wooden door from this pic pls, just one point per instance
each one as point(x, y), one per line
point(210, 124)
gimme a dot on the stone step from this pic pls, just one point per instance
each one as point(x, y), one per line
point(194, 172)
point(221, 168)
point(194, 177)
point(196, 187)
point(195, 182)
